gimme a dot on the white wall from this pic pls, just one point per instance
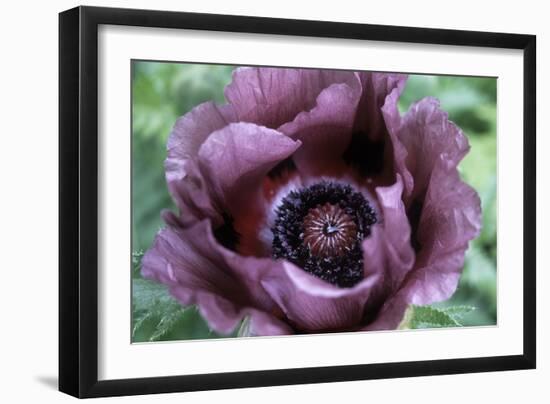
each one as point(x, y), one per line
point(28, 201)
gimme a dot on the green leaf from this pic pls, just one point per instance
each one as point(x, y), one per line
point(139, 321)
point(417, 317)
point(458, 312)
point(136, 262)
point(168, 322)
point(149, 295)
point(244, 329)
point(154, 310)
point(157, 316)
point(426, 316)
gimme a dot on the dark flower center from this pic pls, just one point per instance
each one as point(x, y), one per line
point(329, 231)
point(320, 228)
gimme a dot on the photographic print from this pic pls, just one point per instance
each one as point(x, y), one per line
point(249, 197)
point(273, 201)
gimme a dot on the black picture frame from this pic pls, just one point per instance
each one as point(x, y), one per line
point(78, 200)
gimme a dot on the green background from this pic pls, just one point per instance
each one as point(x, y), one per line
point(162, 92)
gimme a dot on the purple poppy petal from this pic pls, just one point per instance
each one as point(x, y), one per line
point(262, 323)
point(224, 316)
point(379, 90)
point(446, 211)
point(371, 150)
point(191, 193)
point(185, 181)
point(390, 315)
point(312, 304)
point(250, 271)
point(192, 129)
point(274, 96)
point(326, 129)
point(392, 120)
point(178, 259)
point(388, 250)
point(451, 217)
point(237, 158)
point(225, 286)
point(428, 136)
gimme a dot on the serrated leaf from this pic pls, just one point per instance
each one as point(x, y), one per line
point(157, 316)
point(151, 296)
point(167, 324)
point(154, 310)
point(417, 317)
point(458, 312)
point(432, 316)
point(139, 321)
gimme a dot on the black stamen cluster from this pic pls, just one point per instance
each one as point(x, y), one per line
point(344, 270)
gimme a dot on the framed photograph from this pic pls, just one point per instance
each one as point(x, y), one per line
point(251, 201)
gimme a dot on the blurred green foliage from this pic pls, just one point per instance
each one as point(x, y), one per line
point(418, 317)
point(162, 92)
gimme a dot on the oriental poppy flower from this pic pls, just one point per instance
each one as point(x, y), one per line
point(309, 204)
